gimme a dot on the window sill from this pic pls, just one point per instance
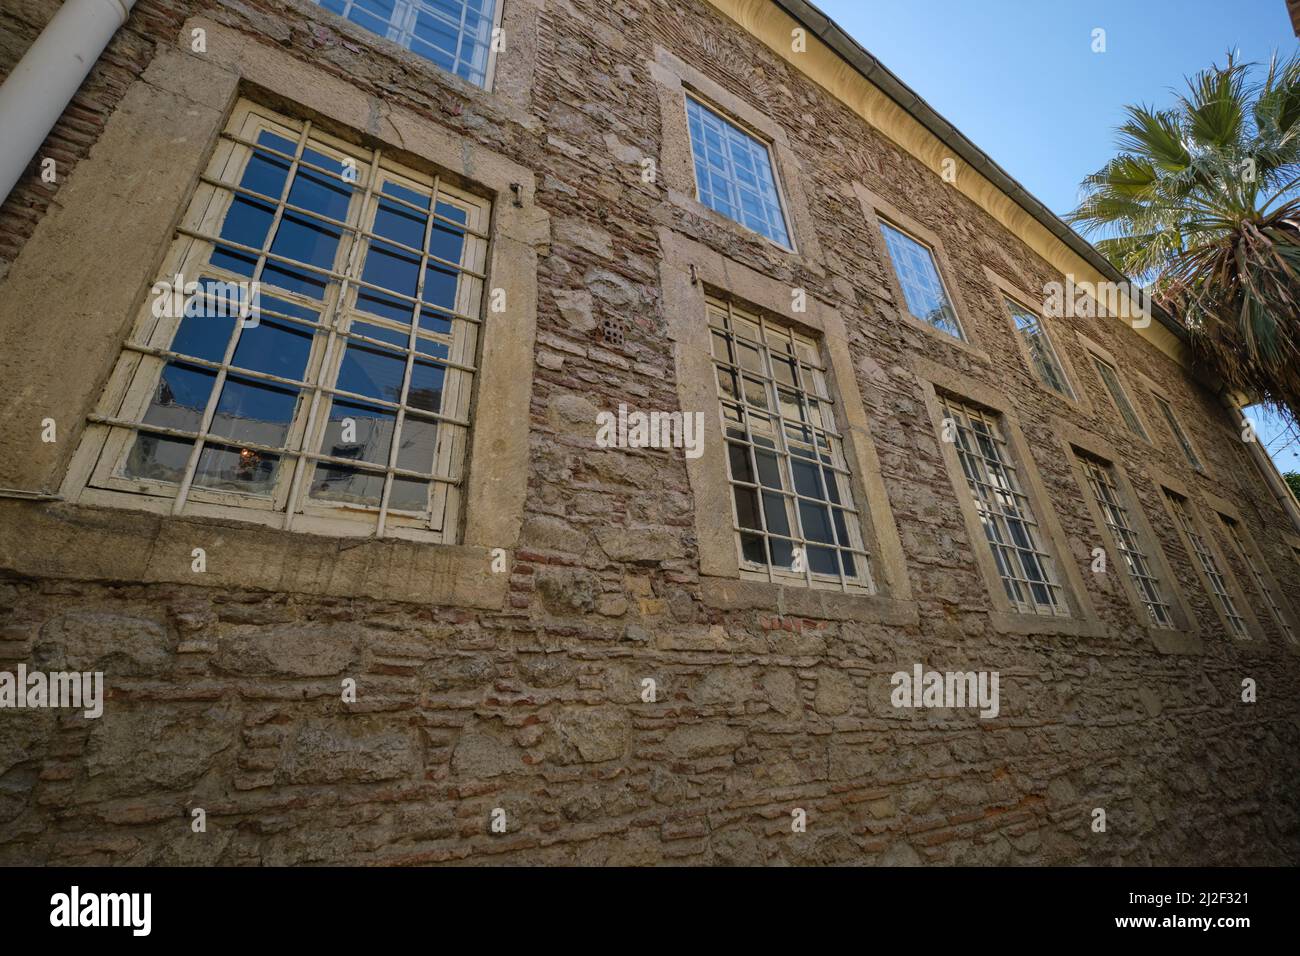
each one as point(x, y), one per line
point(1075, 405)
point(692, 205)
point(1175, 641)
point(1255, 646)
point(948, 338)
point(727, 594)
point(1008, 622)
point(492, 96)
point(90, 543)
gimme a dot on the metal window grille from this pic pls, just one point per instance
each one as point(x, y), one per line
point(1218, 583)
point(348, 398)
point(1257, 573)
point(1116, 516)
point(792, 505)
point(1027, 570)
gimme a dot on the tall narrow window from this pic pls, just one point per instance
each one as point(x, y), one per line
point(1004, 511)
point(1213, 573)
point(733, 173)
point(1257, 574)
point(1188, 452)
point(1110, 378)
point(1127, 543)
point(794, 511)
point(927, 299)
point(345, 405)
point(1047, 364)
point(455, 34)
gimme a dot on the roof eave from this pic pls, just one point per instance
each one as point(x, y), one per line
point(881, 77)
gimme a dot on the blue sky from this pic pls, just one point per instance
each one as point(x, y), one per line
point(1020, 79)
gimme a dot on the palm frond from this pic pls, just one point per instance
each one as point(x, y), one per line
point(1201, 200)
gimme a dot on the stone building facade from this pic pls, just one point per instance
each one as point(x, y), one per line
point(579, 661)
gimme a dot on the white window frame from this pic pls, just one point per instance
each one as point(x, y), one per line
point(401, 30)
point(888, 223)
point(766, 145)
point(1016, 308)
point(811, 375)
point(146, 352)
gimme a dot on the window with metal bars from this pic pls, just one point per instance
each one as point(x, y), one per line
point(1209, 565)
point(1127, 542)
point(793, 509)
point(1257, 574)
point(454, 34)
point(734, 173)
point(1042, 353)
point(345, 407)
point(1110, 378)
point(1188, 452)
point(924, 293)
point(1026, 569)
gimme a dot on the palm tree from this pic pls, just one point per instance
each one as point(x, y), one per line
point(1202, 204)
point(1293, 482)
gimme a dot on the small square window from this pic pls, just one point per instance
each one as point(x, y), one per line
point(734, 173)
point(1174, 426)
point(454, 34)
point(1110, 378)
point(918, 274)
point(1047, 364)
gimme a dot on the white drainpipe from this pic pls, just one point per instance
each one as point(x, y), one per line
point(40, 87)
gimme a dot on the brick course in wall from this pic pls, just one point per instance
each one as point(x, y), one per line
point(227, 698)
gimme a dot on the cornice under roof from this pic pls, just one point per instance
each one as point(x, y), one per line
point(881, 77)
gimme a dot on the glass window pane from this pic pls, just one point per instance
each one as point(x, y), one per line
point(158, 457)
point(734, 175)
point(180, 397)
point(454, 34)
point(254, 411)
point(253, 415)
point(923, 290)
point(788, 453)
point(243, 470)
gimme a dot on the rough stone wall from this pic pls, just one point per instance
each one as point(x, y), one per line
point(229, 699)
